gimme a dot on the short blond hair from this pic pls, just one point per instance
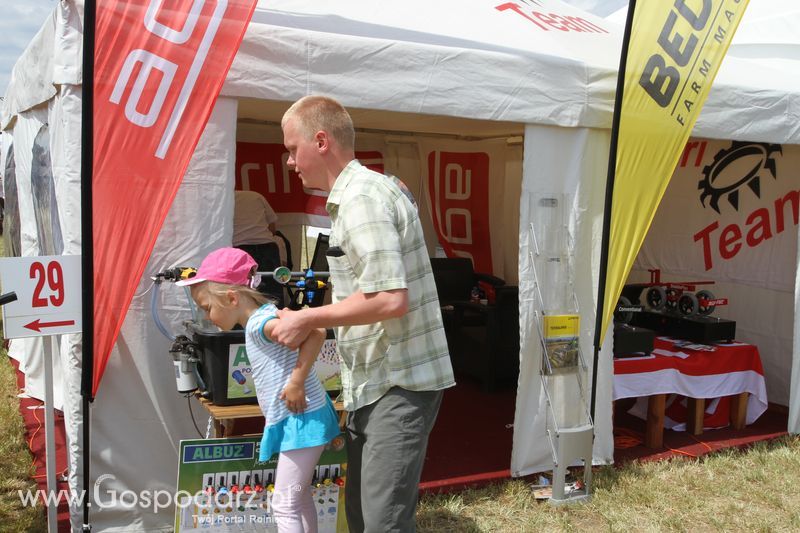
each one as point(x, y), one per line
point(321, 113)
point(219, 291)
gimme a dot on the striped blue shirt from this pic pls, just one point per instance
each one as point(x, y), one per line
point(272, 366)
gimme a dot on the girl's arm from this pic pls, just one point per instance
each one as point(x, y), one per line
point(295, 391)
point(294, 394)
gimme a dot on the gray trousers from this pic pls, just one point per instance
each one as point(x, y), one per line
point(386, 443)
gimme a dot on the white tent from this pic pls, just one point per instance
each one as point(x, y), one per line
point(755, 94)
point(416, 76)
point(757, 83)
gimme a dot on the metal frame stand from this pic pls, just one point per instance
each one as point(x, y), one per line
point(570, 429)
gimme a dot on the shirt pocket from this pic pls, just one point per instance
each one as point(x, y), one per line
point(342, 277)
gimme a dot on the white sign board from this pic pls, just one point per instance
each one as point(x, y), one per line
point(48, 295)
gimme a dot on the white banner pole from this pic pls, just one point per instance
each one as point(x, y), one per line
point(49, 433)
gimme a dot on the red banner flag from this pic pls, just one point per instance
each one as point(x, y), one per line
point(459, 190)
point(159, 67)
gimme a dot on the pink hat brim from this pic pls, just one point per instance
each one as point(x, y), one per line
point(191, 281)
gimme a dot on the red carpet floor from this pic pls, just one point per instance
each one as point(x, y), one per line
point(629, 436)
point(471, 442)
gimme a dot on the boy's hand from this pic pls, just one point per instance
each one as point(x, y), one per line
point(295, 397)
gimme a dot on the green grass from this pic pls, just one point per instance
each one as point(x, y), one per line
point(16, 464)
point(731, 490)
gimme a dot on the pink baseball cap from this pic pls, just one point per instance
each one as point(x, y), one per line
point(225, 265)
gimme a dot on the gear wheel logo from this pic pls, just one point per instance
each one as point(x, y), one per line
point(721, 178)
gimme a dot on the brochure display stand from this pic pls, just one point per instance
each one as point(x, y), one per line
point(564, 373)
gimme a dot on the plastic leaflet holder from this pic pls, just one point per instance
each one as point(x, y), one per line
point(564, 373)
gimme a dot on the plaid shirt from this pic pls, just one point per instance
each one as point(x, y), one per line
point(379, 231)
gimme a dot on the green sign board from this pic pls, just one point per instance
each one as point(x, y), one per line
point(223, 487)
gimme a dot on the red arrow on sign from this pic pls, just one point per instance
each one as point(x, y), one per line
point(37, 326)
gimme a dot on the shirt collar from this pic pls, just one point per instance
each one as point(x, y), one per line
point(341, 182)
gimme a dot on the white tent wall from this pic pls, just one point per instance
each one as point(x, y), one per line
point(794, 393)
point(5, 146)
point(569, 166)
point(50, 67)
point(138, 418)
point(31, 78)
point(690, 240)
point(64, 116)
point(30, 351)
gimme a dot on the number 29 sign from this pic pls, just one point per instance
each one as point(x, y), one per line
point(48, 295)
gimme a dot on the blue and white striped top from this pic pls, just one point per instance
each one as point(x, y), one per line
point(272, 366)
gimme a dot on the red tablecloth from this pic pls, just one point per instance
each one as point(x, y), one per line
point(732, 368)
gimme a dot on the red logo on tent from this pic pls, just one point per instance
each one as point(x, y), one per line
point(459, 190)
point(261, 167)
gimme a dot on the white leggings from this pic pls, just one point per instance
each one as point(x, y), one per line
point(292, 503)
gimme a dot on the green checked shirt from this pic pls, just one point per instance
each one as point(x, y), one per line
point(379, 231)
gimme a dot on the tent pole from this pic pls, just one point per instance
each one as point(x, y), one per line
point(611, 174)
point(87, 248)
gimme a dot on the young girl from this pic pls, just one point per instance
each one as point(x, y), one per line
point(300, 418)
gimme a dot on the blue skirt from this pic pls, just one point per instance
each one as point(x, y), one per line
point(301, 430)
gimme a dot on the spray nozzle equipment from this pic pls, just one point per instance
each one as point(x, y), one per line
point(185, 351)
point(301, 285)
point(175, 274)
point(184, 357)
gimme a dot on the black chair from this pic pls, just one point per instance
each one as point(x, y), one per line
point(319, 263)
point(484, 339)
point(267, 257)
point(455, 279)
point(288, 246)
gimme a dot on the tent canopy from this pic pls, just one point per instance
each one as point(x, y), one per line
point(433, 59)
point(756, 95)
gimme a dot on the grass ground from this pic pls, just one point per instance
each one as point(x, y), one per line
point(16, 466)
point(732, 490)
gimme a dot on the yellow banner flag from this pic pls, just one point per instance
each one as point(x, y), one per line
point(674, 54)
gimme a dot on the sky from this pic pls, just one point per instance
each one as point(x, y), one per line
point(23, 18)
point(20, 21)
